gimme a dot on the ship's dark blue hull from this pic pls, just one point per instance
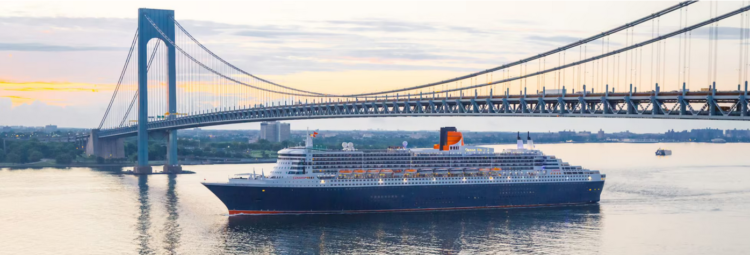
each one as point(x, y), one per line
point(264, 200)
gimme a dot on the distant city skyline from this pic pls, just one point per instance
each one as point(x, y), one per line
point(51, 128)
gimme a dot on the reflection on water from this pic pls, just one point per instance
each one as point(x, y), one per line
point(144, 218)
point(171, 228)
point(478, 231)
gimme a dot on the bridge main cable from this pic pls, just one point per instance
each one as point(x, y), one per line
point(686, 29)
point(119, 81)
point(519, 62)
point(522, 61)
point(177, 47)
point(312, 93)
point(641, 44)
point(135, 95)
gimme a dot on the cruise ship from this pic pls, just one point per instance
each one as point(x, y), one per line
point(449, 176)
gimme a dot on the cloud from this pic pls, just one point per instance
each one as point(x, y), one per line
point(34, 89)
point(282, 33)
point(396, 26)
point(383, 25)
point(65, 24)
point(18, 100)
point(396, 53)
point(48, 113)
point(725, 33)
point(52, 86)
point(553, 39)
point(208, 28)
point(53, 93)
point(273, 49)
point(49, 47)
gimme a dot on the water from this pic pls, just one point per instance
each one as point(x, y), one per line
point(696, 201)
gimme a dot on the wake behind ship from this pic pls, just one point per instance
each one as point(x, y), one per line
point(450, 176)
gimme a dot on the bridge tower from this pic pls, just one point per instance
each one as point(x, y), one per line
point(164, 19)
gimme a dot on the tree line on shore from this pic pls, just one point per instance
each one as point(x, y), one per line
point(26, 151)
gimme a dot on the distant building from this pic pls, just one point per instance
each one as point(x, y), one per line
point(7, 129)
point(600, 134)
point(50, 128)
point(706, 134)
point(680, 135)
point(275, 131)
point(567, 132)
point(737, 133)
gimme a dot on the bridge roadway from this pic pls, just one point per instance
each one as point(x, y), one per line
point(707, 105)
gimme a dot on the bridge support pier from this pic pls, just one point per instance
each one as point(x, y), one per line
point(104, 147)
point(172, 165)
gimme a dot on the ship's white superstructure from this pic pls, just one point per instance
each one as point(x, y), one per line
point(460, 164)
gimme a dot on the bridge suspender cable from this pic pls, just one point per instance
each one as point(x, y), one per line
point(563, 48)
point(657, 39)
point(234, 67)
point(634, 46)
point(135, 96)
point(119, 81)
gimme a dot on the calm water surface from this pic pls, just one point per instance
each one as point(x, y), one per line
point(696, 201)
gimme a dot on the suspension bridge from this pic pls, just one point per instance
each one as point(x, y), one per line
point(171, 81)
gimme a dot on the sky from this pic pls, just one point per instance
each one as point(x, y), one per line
point(60, 60)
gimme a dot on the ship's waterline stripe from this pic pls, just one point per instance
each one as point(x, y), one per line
point(246, 212)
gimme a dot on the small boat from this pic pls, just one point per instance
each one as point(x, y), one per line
point(496, 169)
point(359, 171)
point(373, 171)
point(345, 171)
point(484, 169)
point(386, 171)
point(663, 152)
point(411, 170)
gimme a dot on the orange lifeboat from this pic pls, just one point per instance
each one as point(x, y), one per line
point(411, 170)
point(359, 171)
point(484, 169)
point(345, 171)
point(496, 169)
point(373, 171)
point(398, 171)
point(386, 171)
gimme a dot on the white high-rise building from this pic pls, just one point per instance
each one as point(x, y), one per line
point(274, 131)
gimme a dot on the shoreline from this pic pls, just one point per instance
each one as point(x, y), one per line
point(258, 161)
point(129, 164)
